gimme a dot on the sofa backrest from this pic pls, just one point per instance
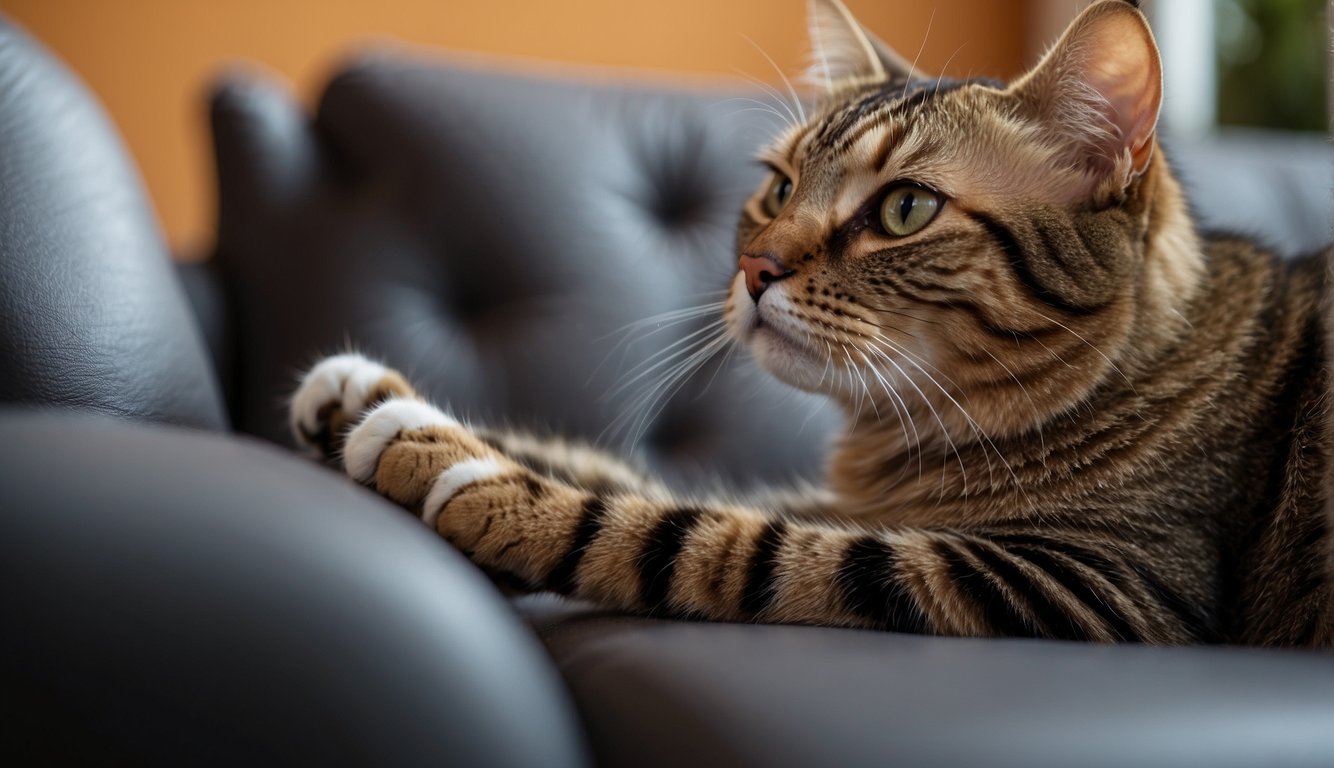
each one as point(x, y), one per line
point(497, 237)
point(91, 316)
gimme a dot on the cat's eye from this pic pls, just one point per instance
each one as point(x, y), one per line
point(908, 209)
point(779, 192)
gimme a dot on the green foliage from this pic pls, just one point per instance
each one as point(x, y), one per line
point(1272, 63)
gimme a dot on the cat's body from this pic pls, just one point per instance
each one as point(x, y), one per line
point(1070, 415)
point(1210, 457)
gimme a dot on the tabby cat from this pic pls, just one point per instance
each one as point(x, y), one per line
point(1110, 428)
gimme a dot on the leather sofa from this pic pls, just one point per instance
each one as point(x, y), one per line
point(177, 588)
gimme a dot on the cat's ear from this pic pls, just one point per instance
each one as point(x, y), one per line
point(1100, 89)
point(844, 50)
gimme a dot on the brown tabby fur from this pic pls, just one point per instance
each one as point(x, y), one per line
point(1089, 423)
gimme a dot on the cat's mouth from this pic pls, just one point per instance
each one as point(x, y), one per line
point(775, 339)
point(785, 351)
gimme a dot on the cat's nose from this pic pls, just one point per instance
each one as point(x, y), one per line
point(761, 271)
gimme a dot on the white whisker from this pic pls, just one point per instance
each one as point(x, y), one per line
point(944, 429)
point(661, 357)
point(905, 418)
point(978, 432)
point(792, 92)
point(913, 67)
point(1091, 346)
point(647, 406)
point(1042, 440)
point(773, 93)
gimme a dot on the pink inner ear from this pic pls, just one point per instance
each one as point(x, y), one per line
point(1120, 62)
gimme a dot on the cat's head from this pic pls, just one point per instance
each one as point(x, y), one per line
point(926, 239)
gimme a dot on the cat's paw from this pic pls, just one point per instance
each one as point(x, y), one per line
point(418, 456)
point(334, 395)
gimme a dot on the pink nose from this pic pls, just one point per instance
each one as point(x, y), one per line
point(760, 272)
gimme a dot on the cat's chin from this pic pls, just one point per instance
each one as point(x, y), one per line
point(790, 361)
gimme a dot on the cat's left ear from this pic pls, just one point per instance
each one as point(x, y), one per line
point(845, 51)
point(1100, 89)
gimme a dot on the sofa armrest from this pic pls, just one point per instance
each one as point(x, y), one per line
point(175, 596)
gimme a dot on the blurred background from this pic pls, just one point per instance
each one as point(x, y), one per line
point(1228, 62)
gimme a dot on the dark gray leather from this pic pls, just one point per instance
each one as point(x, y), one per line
point(172, 597)
point(213, 310)
point(671, 694)
point(493, 236)
point(90, 314)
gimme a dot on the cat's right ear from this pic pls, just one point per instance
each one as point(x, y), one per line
point(1098, 91)
point(845, 52)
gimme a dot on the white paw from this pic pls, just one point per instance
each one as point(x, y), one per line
point(341, 381)
point(455, 479)
point(361, 453)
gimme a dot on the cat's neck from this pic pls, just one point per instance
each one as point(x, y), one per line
point(1174, 266)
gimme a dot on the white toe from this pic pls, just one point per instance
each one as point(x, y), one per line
point(345, 379)
point(369, 439)
point(453, 480)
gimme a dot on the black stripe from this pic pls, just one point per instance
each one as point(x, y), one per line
point(872, 588)
point(1057, 621)
point(983, 320)
point(657, 561)
point(1195, 619)
point(761, 586)
point(1306, 635)
point(1313, 538)
point(898, 96)
point(561, 577)
point(537, 464)
point(1309, 548)
point(1121, 629)
point(922, 90)
point(936, 287)
point(1054, 246)
point(1086, 557)
point(1310, 578)
point(997, 610)
point(509, 581)
point(1019, 262)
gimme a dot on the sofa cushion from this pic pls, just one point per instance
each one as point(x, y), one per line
point(664, 693)
point(91, 316)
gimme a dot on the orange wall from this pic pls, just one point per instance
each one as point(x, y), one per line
point(150, 60)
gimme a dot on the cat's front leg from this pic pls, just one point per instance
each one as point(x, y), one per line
point(421, 458)
point(636, 551)
point(653, 553)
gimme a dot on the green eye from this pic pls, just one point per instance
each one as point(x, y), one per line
point(780, 190)
point(908, 209)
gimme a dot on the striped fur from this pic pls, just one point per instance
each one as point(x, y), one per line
point(1070, 416)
